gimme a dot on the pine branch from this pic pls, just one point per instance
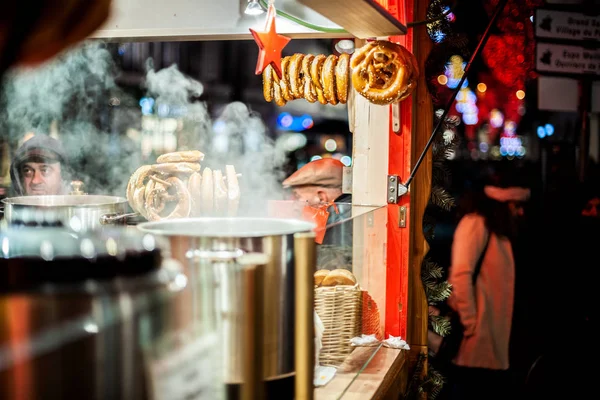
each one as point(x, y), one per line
point(416, 380)
point(432, 384)
point(441, 198)
point(431, 270)
point(435, 382)
point(444, 146)
point(439, 325)
point(428, 227)
point(440, 173)
point(437, 291)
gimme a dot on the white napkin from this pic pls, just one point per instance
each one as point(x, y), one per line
point(364, 341)
point(322, 374)
point(396, 343)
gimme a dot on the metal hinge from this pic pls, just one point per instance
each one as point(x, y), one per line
point(395, 189)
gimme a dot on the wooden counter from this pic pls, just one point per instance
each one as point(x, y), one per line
point(385, 376)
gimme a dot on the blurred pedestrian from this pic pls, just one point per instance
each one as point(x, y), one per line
point(483, 237)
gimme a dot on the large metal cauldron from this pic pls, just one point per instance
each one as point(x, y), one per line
point(288, 270)
point(80, 213)
point(98, 316)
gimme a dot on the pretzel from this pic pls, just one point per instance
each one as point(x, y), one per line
point(285, 79)
point(207, 194)
point(220, 191)
point(233, 190)
point(189, 156)
point(176, 168)
point(328, 79)
point(194, 186)
point(315, 74)
point(136, 180)
point(341, 77)
point(310, 93)
point(268, 83)
point(380, 72)
point(154, 183)
point(279, 99)
point(295, 70)
point(182, 196)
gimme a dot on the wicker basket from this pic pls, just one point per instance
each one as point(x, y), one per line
point(340, 310)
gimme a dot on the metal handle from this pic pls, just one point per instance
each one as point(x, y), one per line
point(107, 219)
point(77, 188)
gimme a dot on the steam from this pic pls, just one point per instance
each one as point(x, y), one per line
point(93, 117)
point(71, 99)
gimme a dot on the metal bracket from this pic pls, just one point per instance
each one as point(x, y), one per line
point(395, 189)
point(402, 217)
point(396, 118)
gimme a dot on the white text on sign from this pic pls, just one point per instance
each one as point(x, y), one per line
point(566, 25)
point(561, 59)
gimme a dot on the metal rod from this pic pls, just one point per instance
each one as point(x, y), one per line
point(304, 343)
point(440, 123)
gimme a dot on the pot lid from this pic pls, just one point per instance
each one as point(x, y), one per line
point(88, 200)
point(34, 256)
point(226, 227)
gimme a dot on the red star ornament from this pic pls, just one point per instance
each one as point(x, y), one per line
point(270, 45)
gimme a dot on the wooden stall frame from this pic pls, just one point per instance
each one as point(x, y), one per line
point(391, 249)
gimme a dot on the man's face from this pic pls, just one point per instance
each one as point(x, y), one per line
point(307, 194)
point(41, 178)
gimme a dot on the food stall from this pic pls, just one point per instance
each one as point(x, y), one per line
point(384, 298)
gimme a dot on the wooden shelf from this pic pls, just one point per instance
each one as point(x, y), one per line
point(385, 376)
point(362, 18)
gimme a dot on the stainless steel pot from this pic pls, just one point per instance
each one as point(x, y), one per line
point(195, 240)
point(80, 213)
point(98, 316)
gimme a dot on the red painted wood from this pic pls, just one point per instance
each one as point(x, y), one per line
point(399, 164)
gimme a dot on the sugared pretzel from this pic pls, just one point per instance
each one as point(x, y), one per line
point(296, 81)
point(284, 83)
point(310, 94)
point(328, 79)
point(380, 72)
point(278, 95)
point(268, 83)
point(341, 77)
point(315, 74)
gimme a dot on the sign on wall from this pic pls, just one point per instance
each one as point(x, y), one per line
point(553, 24)
point(563, 59)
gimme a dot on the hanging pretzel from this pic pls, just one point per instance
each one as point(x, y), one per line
point(381, 72)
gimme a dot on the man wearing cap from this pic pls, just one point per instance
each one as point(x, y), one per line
point(320, 182)
point(39, 168)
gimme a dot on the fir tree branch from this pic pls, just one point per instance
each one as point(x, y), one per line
point(440, 173)
point(428, 227)
point(441, 198)
point(431, 270)
point(437, 291)
point(439, 325)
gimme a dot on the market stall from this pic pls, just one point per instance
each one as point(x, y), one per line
point(370, 286)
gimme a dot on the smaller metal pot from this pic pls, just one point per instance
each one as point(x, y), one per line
point(77, 212)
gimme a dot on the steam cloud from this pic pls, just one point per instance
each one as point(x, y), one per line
point(92, 114)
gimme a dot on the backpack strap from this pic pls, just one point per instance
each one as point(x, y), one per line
point(480, 261)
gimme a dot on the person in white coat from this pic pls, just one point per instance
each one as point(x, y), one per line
point(486, 307)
